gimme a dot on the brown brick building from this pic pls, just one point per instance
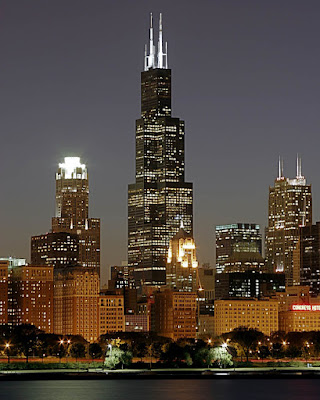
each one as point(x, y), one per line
point(175, 314)
point(76, 302)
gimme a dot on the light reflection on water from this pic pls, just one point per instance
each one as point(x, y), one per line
point(188, 389)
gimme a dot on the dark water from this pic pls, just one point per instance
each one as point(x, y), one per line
point(189, 389)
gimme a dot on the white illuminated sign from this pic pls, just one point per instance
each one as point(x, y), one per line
point(305, 307)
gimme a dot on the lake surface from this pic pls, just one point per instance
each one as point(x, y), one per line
point(188, 389)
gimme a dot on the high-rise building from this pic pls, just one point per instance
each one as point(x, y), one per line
point(72, 210)
point(238, 248)
point(290, 206)
point(308, 258)
point(182, 264)
point(248, 284)
point(76, 302)
point(30, 296)
point(160, 198)
point(4, 291)
point(176, 314)
point(111, 313)
point(58, 249)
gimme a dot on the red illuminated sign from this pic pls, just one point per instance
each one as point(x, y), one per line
point(305, 307)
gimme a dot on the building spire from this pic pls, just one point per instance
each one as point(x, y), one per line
point(299, 167)
point(162, 57)
point(280, 168)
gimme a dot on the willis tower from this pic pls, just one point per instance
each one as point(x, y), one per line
point(160, 201)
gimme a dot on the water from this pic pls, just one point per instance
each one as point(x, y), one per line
point(188, 389)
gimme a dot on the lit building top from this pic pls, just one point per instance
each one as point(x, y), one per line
point(72, 169)
point(153, 60)
point(14, 262)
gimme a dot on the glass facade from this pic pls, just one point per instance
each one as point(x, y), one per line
point(290, 206)
point(238, 248)
point(160, 198)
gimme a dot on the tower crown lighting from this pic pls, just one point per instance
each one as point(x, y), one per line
point(153, 60)
point(73, 169)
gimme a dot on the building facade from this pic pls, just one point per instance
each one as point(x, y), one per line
point(59, 249)
point(176, 314)
point(72, 210)
point(257, 314)
point(238, 248)
point(290, 207)
point(30, 296)
point(76, 302)
point(4, 264)
point(301, 318)
point(160, 198)
point(307, 263)
point(248, 284)
point(182, 264)
point(111, 314)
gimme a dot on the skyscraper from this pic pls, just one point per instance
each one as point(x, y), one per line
point(238, 248)
point(72, 210)
point(182, 264)
point(290, 206)
point(160, 198)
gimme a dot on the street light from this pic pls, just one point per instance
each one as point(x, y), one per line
point(7, 347)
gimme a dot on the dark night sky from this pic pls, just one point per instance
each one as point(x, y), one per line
point(246, 79)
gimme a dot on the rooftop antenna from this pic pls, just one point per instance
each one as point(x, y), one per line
point(299, 167)
point(160, 44)
point(280, 169)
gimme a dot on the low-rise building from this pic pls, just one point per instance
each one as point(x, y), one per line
point(301, 318)
point(251, 313)
point(111, 314)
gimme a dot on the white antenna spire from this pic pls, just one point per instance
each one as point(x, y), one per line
point(162, 58)
point(280, 169)
point(166, 55)
point(160, 45)
point(299, 168)
point(181, 224)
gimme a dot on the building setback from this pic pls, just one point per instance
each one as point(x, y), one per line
point(160, 198)
point(72, 211)
point(182, 264)
point(290, 206)
point(59, 249)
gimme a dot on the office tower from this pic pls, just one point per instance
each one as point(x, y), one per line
point(30, 296)
point(290, 206)
point(182, 264)
point(248, 284)
point(160, 198)
point(308, 257)
point(58, 249)
point(176, 314)
point(238, 248)
point(72, 210)
point(76, 302)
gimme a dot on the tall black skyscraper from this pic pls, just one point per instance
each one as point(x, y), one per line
point(160, 199)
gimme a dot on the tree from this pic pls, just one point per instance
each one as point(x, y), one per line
point(25, 337)
point(246, 338)
point(78, 350)
point(95, 350)
point(117, 356)
point(221, 356)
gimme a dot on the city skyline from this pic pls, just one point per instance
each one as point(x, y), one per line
point(53, 124)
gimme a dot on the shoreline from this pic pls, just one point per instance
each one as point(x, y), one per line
point(238, 373)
